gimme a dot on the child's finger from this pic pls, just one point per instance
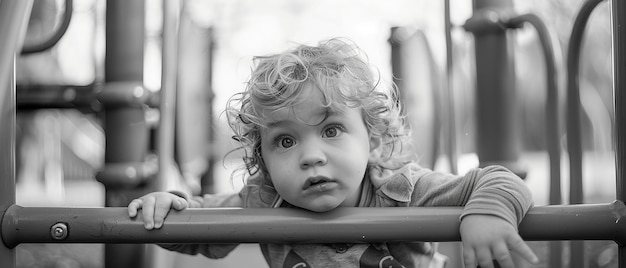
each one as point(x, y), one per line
point(161, 208)
point(502, 254)
point(133, 207)
point(519, 246)
point(180, 204)
point(469, 257)
point(485, 260)
point(147, 211)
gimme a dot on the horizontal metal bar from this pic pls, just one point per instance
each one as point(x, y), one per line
point(284, 225)
point(127, 94)
point(88, 98)
point(127, 175)
point(57, 96)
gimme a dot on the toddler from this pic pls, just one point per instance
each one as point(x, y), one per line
point(318, 132)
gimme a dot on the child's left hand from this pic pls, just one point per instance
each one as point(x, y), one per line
point(487, 238)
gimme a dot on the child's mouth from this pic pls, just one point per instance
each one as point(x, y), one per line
point(317, 181)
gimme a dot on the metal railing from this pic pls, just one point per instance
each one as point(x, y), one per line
point(285, 225)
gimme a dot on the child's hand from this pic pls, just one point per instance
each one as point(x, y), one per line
point(154, 207)
point(487, 238)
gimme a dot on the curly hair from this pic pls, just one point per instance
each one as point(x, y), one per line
point(340, 71)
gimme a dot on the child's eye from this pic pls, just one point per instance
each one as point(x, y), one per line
point(285, 142)
point(333, 131)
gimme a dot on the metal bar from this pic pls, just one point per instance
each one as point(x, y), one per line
point(168, 177)
point(574, 139)
point(285, 225)
point(126, 130)
point(552, 120)
point(497, 120)
point(194, 114)
point(7, 161)
point(56, 36)
point(574, 129)
point(416, 79)
point(169, 172)
point(82, 98)
point(14, 15)
point(448, 109)
point(618, 15)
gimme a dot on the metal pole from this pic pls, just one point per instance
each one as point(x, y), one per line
point(194, 117)
point(14, 15)
point(496, 103)
point(125, 126)
point(574, 130)
point(7, 161)
point(618, 13)
point(169, 171)
point(287, 225)
point(417, 80)
point(448, 109)
point(552, 121)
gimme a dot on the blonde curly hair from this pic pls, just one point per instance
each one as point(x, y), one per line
point(340, 71)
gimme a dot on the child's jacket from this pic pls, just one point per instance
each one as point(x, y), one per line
point(492, 190)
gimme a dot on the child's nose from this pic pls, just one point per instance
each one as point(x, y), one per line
point(312, 155)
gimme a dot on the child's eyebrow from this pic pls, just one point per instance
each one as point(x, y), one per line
point(328, 113)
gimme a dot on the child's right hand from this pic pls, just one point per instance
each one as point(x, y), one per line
point(154, 207)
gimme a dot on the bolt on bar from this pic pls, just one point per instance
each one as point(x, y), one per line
point(284, 225)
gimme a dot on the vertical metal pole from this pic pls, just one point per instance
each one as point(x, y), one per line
point(7, 160)
point(193, 108)
point(496, 106)
point(125, 127)
point(168, 170)
point(417, 80)
point(14, 15)
point(448, 91)
point(618, 13)
point(208, 180)
point(574, 132)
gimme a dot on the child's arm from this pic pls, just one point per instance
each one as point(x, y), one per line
point(154, 208)
point(495, 201)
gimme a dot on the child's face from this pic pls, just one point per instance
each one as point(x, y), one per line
point(316, 162)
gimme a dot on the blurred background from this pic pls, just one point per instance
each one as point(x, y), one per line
point(74, 146)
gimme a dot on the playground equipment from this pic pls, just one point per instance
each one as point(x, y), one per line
point(127, 143)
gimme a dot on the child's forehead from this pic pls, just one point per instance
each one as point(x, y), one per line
point(309, 103)
point(305, 114)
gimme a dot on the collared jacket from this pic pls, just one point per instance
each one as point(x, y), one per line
point(492, 190)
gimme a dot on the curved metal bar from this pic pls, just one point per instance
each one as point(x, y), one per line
point(285, 225)
point(54, 39)
point(574, 139)
point(574, 135)
point(552, 119)
point(552, 111)
point(403, 43)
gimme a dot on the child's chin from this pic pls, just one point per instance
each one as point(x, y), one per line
point(323, 208)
